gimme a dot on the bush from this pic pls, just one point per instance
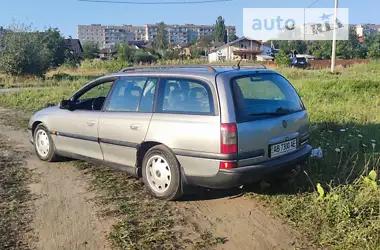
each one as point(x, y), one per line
point(144, 57)
point(23, 53)
point(282, 59)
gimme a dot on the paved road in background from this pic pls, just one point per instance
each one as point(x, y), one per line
point(12, 90)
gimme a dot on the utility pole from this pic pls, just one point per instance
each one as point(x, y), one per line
point(334, 38)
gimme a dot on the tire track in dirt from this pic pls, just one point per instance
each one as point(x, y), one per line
point(65, 216)
point(245, 222)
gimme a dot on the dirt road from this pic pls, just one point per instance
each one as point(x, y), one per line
point(65, 217)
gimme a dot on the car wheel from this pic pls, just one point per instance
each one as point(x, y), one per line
point(161, 173)
point(43, 144)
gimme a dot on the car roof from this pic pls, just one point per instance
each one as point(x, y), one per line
point(208, 72)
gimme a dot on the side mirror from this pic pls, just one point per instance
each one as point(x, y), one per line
point(66, 104)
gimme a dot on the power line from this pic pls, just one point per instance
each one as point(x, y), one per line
point(155, 3)
point(313, 3)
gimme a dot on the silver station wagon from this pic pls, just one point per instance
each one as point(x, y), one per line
point(178, 126)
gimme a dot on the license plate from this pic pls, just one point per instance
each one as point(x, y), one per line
point(283, 148)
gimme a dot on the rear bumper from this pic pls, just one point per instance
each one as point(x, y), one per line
point(248, 174)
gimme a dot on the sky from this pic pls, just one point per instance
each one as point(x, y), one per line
point(67, 14)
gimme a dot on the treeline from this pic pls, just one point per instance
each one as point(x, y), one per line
point(352, 48)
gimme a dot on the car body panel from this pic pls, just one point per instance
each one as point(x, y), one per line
point(120, 133)
point(260, 134)
point(182, 132)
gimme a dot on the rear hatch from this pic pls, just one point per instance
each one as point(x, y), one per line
point(301, 60)
point(271, 119)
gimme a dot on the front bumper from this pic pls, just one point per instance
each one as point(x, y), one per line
point(235, 177)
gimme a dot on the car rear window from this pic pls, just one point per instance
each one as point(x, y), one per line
point(261, 95)
point(301, 59)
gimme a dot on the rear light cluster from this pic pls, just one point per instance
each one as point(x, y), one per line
point(228, 142)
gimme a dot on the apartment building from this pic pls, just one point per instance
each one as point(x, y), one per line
point(181, 34)
point(105, 36)
point(109, 36)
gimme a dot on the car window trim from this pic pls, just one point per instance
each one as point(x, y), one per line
point(155, 91)
point(126, 111)
point(92, 85)
point(241, 119)
point(106, 102)
point(161, 94)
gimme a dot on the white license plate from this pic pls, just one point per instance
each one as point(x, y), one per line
point(283, 148)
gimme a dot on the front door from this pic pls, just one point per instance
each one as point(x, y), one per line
point(77, 130)
point(125, 119)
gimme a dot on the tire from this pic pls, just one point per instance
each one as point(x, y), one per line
point(41, 137)
point(161, 173)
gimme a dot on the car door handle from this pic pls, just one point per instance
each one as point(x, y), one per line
point(90, 123)
point(135, 126)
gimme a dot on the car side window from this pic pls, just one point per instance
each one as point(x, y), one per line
point(100, 90)
point(126, 94)
point(148, 95)
point(186, 96)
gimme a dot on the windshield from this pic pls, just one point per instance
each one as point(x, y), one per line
point(264, 95)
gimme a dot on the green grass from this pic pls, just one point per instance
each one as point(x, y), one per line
point(14, 215)
point(345, 123)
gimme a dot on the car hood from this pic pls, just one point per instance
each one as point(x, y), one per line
point(48, 110)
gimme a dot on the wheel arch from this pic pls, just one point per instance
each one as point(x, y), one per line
point(143, 149)
point(34, 126)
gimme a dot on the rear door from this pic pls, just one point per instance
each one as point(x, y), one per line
point(271, 118)
point(125, 118)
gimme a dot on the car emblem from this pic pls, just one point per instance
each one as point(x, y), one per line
point(284, 124)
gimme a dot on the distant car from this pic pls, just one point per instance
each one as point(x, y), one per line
point(180, 125)
point(299, 62)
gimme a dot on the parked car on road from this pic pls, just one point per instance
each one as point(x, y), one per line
point(180, 125)
point(299, 62)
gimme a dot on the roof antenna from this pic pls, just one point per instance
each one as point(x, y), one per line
point(237, 66)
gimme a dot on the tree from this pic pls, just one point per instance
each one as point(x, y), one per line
point(321, 49)
point(56, 44)
point(349, 49)
point(125, 53)
point(282, 59)
point(23, 53)
point(160, 42)
point(220, 32)
point(373, 44)
point(90, 50)
point(232, 36)
point(287, 46)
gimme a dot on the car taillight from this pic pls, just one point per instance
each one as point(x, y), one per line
point(228, 138)
point(228, 164)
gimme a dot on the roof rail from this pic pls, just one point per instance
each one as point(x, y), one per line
point(210, 68)
point(249, 66)
point(177, 66)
